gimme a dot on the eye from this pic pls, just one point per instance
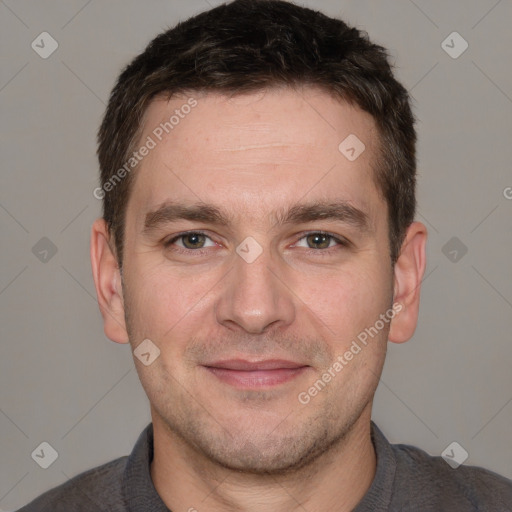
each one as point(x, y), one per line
point(323, 241)
point(319, 242)
point(191, 240)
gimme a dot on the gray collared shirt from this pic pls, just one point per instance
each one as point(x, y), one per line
point(406, 479)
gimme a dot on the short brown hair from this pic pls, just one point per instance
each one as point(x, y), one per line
point(250, 45)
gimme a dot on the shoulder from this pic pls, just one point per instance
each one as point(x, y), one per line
point(470, 487)
point(97, 489)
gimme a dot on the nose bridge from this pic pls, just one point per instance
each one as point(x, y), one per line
point(254, 296)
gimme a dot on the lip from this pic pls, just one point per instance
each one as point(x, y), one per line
point(245, 374)
point(248, 366)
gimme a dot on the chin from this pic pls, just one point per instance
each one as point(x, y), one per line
point(270, 456)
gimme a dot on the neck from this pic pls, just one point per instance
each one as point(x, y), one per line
point(337, 480)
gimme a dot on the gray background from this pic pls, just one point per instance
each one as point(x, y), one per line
point(62, 381)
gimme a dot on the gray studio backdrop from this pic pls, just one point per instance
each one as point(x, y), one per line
point(62, 382)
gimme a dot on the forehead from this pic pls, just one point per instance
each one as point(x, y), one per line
point(256, 152)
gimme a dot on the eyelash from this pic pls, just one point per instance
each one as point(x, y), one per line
point(318, 252)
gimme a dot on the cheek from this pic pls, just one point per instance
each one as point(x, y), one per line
point(349, 300)
point(163, 305)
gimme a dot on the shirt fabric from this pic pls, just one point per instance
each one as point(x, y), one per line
point(406, 479)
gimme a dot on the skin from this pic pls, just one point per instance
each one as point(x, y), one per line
point(218, 447)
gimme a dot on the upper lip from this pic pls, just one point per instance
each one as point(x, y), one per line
point(243, 365)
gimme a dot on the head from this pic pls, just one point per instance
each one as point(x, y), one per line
point(280, 138)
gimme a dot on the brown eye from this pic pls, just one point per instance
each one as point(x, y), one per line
point(188, 241)
point(193, 240)
point(320, 240)
point(321, 243)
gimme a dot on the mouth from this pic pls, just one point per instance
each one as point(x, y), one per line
point(244, 374)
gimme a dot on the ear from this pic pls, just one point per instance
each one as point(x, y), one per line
point(107, 280)
point(408, 273)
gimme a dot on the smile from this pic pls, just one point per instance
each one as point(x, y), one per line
point(255, 375)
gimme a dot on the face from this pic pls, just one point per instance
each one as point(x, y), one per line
point(254, 296)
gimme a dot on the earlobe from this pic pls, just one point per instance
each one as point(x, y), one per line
point(408, 273)
point(107, 280)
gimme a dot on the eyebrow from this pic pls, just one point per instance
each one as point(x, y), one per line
point(300, 213)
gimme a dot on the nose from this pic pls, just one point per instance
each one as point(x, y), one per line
point(255, 296)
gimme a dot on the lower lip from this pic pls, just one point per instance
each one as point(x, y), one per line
point(257, 378)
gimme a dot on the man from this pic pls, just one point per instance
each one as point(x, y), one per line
point(258, 250)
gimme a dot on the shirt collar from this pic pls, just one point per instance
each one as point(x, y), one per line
point(138, 489)
point(378, 497)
